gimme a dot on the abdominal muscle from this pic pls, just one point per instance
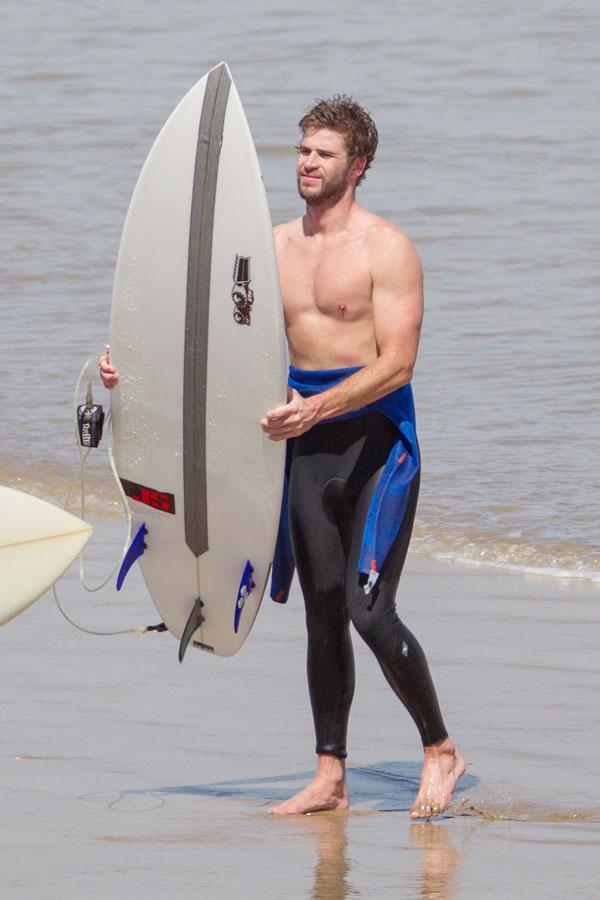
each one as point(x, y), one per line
point(318, 340)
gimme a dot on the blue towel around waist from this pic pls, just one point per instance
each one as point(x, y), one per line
point(390, 498)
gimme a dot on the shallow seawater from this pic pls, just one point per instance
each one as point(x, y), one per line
point(488, 158)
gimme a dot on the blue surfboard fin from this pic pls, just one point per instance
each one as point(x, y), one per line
point(246, 585)
point(136, 549)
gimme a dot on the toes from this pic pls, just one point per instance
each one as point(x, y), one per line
point(421, 811)
point(426, 810)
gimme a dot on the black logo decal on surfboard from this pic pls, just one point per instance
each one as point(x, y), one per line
point(241, 293)
point(156, 499)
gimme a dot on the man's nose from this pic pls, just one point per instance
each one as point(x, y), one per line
point(312, 160)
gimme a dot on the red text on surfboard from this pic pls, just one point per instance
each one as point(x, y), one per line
point(150, 497)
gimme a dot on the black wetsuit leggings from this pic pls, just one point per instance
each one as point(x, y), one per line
point(334, 470)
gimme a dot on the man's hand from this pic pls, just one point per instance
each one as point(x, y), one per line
point(108, 373)
point(292, 419)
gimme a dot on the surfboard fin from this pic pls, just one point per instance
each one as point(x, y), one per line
point(192, 625)
point(246, 585)
point(136, 549)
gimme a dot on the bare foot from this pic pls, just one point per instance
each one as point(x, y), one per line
point(442, 769)
point(328, 790)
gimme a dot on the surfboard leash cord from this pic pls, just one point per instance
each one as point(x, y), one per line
point(79, 480)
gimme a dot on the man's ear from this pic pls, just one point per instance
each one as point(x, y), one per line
point(358, 167)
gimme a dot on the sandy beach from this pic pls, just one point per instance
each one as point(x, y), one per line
point(126, 774)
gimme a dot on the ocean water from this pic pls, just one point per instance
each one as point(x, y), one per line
point(488, 159)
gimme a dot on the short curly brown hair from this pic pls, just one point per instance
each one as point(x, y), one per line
point(343, 114)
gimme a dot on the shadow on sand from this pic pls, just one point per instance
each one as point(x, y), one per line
point(384, 786)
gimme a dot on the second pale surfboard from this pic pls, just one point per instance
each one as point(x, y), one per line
point(38, 543)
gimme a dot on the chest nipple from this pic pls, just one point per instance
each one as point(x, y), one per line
point(342, 308)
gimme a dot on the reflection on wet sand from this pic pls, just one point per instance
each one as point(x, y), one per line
point(332, 866)
point(440, 860)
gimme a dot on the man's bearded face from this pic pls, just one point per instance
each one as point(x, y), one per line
point(323, 166)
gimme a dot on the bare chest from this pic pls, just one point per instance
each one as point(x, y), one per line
point(320, 277)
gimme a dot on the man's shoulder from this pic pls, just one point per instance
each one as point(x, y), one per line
point(381, 234)
point(390, 252)
point(388, 246)
point(287, 230)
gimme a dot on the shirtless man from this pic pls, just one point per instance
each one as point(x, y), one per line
point(352, 291)
point(353, 300)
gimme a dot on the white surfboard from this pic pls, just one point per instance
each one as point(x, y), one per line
point(197, 337)
point(38, 543)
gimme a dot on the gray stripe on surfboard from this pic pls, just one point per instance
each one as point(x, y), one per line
point(210, 136)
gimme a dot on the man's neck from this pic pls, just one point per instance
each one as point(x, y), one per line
point(329, 217)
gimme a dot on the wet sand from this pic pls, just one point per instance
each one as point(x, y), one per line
point(126, 774)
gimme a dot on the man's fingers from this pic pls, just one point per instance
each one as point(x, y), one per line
point(270, 421)
point(285, 421)
point(292, 420)
point(280, 412)
point(285, 430)
point(281, 435)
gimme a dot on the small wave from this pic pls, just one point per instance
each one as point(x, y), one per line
point(275, 150)
point(548, 558)
point(51, 480)
point(46, 76)
point(545, 571)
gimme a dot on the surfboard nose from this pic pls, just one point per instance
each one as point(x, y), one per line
point(221, 66)
point(38, 543)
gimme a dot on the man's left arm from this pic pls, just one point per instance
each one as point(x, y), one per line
point(397, 314)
